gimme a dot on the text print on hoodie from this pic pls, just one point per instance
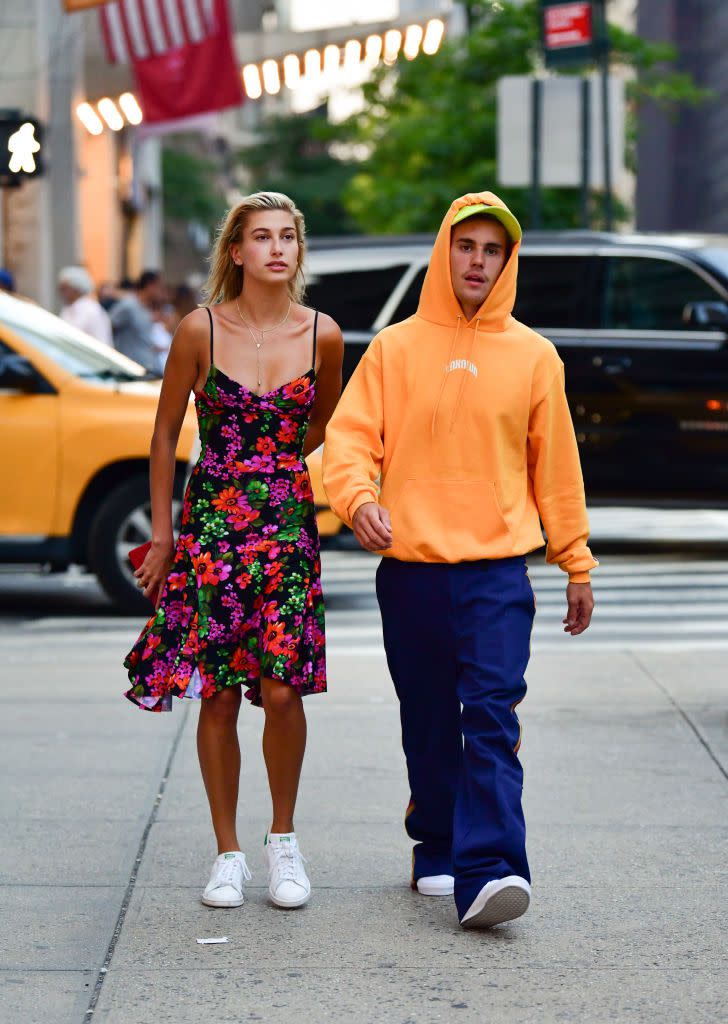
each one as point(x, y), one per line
point(466, 425)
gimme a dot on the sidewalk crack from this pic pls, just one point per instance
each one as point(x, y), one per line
point(684, 715)
point(129, 891)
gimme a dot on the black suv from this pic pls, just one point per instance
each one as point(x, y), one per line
point(640, 321)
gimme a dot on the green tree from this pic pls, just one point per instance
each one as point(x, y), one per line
point(294, 155)
point(189, 188)
point(430, 125)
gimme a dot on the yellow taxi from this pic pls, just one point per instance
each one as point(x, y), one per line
point(76, 420)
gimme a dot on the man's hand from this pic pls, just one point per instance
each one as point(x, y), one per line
point(372, 526)
point(581, 605)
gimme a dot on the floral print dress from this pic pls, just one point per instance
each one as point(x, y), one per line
point(243, 600)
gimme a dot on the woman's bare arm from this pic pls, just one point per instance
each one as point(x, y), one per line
point(180, 375)
point(328, 381)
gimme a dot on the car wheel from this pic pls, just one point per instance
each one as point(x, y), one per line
point(122, 522)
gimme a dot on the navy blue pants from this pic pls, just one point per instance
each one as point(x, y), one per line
point(457, 639)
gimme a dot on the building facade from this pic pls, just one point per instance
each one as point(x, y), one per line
point(682, 180)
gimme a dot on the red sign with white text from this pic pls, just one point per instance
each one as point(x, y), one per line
point(568, 25)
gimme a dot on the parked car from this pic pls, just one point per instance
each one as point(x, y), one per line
point(76, 419)
point(640, 321)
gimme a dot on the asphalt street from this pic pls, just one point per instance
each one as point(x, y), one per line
point(105, 842)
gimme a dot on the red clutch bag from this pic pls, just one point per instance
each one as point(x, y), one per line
point(136, 556)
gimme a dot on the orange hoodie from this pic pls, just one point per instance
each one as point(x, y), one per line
point(467, 427)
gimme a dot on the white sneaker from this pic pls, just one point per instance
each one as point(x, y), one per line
point(227, 881)
point(436, 885)
point(288, 884)
point(501, 900)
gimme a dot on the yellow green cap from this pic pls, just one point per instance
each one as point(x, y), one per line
point(505, 217)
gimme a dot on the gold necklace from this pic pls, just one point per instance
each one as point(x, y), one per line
point(263, 331)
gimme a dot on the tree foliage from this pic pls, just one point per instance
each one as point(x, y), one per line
point(189, 188)
point(294, 156)
point(429, 125)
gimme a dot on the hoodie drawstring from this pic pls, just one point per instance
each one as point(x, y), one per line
point(453, 346)
point(466, 374)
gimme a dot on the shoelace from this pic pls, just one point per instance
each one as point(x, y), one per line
point(288, 859)
point(227, 872)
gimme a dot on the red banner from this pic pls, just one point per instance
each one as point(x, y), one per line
point(182, 55)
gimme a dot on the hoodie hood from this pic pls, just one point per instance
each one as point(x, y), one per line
point(438, 302)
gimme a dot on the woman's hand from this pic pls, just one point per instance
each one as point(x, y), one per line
point(155, 568)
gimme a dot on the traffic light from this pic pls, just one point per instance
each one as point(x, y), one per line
point(21, 148)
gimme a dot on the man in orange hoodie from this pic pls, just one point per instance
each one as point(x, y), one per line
point(460, 414)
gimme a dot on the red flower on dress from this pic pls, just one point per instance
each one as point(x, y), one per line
point(177, 580)
point(287, 461)
point(243, 661)
point(287, 431)
point(274, 639)
point(302, 486)
point(297, 390)
point(229, 498)
point(240, 518)
point(209, 571)
point(152, 643)
point(266, 445)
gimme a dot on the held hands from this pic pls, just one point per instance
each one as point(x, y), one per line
point(155, 569)
point(372, 526)
point(580, 602)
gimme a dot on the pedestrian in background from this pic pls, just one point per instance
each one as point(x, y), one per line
point(161, 334)
point(133, 322)
point(461, 411)
point(240, 602)
point(80, 306)
point(7, 281)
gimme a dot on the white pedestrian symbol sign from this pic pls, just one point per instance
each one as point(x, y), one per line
point(23, 144)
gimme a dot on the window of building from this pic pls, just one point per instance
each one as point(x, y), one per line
point(649, 294)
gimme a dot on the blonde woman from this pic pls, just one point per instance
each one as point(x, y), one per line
point(240, 602)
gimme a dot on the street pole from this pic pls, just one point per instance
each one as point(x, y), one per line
point(606, 143)
point(585, 150)
point(536, 103)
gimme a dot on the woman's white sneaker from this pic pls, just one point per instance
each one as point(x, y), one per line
point(503, 899)
point(227, 881)
point(436, 885)
point(288, 884)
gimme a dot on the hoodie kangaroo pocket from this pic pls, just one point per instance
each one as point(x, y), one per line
point(452, 520)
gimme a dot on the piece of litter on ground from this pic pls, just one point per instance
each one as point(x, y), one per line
point(212, 942)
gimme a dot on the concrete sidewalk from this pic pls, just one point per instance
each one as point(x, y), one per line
point(626, 757)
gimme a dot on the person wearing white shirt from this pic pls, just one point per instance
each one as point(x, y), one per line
point(80, 306)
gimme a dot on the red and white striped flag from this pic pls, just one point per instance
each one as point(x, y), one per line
point(181, 52)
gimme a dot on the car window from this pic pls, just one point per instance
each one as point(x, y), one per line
point(353, 298)
point(649, 294)
point(554, 291)
point(410, 300)
point(66, 345)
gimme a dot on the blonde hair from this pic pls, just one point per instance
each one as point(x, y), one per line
point(225, 280)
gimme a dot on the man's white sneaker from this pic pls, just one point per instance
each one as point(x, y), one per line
point(288, 884)
point(227, 881)
point(436, 885)
point(503, 899)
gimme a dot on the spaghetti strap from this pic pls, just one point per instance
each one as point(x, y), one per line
point(315, 329)
point(211, 334)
